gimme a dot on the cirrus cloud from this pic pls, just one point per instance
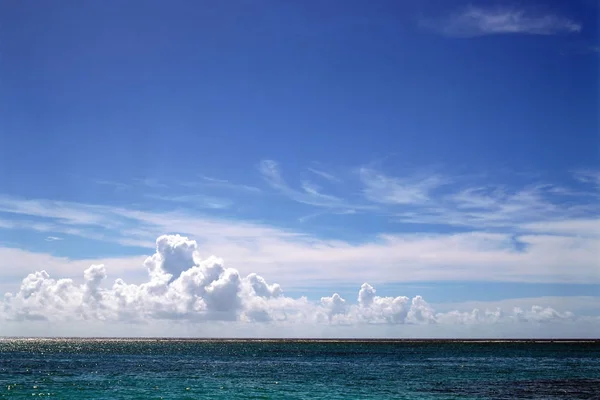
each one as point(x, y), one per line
point(479, 21)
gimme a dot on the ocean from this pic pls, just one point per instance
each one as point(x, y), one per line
point(298, 369)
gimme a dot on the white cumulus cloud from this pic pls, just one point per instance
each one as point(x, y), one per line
point(182, 286)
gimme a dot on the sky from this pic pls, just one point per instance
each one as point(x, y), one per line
point(303, 168)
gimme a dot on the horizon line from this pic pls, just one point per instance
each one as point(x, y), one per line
point(309, 339)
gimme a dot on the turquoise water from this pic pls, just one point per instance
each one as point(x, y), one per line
point(189, 369)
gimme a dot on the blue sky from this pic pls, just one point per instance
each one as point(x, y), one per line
point(444, 149)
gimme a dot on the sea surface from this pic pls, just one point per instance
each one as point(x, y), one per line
point(297, 369)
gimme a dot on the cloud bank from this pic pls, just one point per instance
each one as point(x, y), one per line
point(433, 227)
point(183, 287)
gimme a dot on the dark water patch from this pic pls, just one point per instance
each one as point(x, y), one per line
point(305, 369)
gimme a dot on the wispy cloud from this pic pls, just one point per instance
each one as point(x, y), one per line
point(223, 183)
point(214, 180)
point(589, 176)
point(461, 202)
point(52, 238)
point(582, 227)
point(202, 181)
point(381, 188)
point(486, 206)
point(579, 49)
point(198, 200)
point(324, 175)
point(117, 185)
point(64, 212)
point(346, 212)
point(309, 194)
point(477, 21)
point(495, 206)
point(292, 257)
point(308, 217)
point(553, 230)
point(314, 191)
point(151, 183)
